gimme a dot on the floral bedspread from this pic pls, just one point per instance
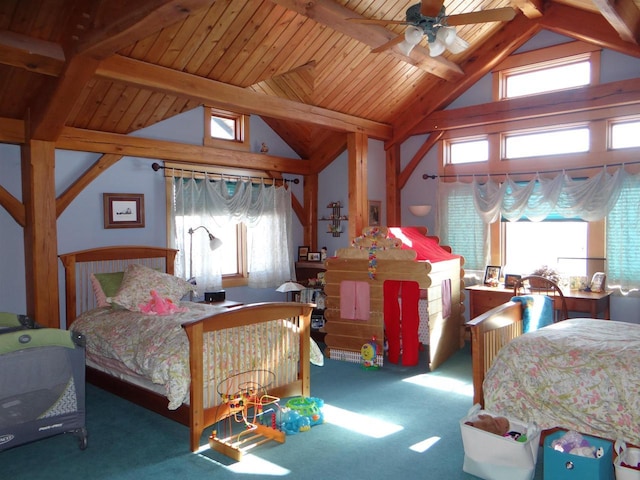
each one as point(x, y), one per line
point(153, 346)
point(579, 374)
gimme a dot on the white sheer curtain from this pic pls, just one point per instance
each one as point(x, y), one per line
point(590, 199)
point(219, 205)
point(615, 196)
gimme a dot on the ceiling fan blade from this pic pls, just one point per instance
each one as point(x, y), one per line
point(482, 16)
point(431, 8)
point(371, 21)
point(389, 44)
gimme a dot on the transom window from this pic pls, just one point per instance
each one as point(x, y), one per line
point(469, 151)
point(552, 142)
point(624, 134)
point(544, 78)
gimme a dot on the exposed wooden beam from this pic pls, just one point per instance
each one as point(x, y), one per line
point(335, 16)
point(393, 193)
point(65, 199)
point(603, 96)
point(586, 26)
point(31, 54)
point(624, 17)
point(120, 24)
point(358, 147)
point(222, 95)
point(495, 49)
point(404, 176)
point(530, 8)
point(13, 206)
point(112, 143)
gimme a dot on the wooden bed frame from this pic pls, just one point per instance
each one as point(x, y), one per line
point(197, 416)
point(489, 333)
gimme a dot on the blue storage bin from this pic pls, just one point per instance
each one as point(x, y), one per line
point(565, 466)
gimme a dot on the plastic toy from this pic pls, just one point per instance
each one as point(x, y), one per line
point(301, 413)
point(369, 352)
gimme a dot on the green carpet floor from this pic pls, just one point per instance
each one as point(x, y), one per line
point(394, 423)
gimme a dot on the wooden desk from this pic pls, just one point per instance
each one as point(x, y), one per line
point(483, 298)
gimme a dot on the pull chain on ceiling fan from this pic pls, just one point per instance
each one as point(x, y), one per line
point(429, 19)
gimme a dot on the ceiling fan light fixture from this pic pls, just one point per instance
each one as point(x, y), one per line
point(447, 35)
point(458, 46)
point(437, 47)
point(412, 37)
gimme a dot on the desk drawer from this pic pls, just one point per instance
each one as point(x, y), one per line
point(483, 301)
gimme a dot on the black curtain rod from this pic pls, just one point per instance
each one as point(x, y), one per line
point(559, 170)
point(156, 166)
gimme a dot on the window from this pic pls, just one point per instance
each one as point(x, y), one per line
point(530, 245)
point(544, 78)
point(624, 134)
point(224, 129)
point(468, 151)
point(555, 142)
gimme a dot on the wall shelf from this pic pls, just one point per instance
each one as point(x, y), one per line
point(335, 219)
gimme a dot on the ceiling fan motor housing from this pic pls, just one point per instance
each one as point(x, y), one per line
point(429, 25)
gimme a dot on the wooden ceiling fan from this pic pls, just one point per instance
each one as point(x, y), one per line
point(429, 19)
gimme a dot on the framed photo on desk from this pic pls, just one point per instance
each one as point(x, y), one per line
point(492, 274)
point(598, 282)
point(510, 280)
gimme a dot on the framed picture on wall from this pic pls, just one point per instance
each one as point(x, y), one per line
point(375, 207)
point(123, 210)
point(492, 274)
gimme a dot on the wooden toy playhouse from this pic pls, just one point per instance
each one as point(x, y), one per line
point(399, 287)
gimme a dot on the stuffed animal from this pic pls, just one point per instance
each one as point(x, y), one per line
point(575, 444)
point(496, 425)
point(160, 306)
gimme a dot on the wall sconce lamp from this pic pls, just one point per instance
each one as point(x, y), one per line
point(420, 210)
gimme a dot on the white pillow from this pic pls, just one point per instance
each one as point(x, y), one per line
point(138, 282)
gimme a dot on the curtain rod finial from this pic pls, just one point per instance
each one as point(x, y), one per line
point(156, 166)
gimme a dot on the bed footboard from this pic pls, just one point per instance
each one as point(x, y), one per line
point(489, 333)
point(290, 377)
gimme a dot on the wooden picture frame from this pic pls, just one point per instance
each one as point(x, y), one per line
point(123, 210)
point(313, 257)
point(492, 274)
point(375, 210)
point(598, 282)
point(303, 253)
point(510, 280)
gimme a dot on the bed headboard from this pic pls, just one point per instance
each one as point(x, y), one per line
point(78, 267)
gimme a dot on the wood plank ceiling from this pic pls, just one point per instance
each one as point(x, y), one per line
point(117, 66)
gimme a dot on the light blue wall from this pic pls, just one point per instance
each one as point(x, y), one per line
point(80, 226)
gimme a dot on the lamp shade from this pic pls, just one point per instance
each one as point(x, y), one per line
point(214, 242)
point(420, 210)
point(412, 37)
point(290, 286)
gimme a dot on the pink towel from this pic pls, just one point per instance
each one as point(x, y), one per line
point(354, 300)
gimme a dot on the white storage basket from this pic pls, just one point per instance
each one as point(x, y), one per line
point(493, 457)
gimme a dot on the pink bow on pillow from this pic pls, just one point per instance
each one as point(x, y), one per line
point(160, 306)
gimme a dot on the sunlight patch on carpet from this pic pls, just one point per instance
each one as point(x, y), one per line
point(356, 422)
point(424, 445)
point(251, 465)
point(439, 382)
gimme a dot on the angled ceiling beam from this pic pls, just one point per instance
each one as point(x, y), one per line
point(334, 16)
point(530, 8)
point(624, 17)
point(222, 95)
point(494, 50)
point(31, 54)
point(586, 26)
point(129, 22)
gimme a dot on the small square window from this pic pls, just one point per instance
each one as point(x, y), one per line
point(224, 129)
